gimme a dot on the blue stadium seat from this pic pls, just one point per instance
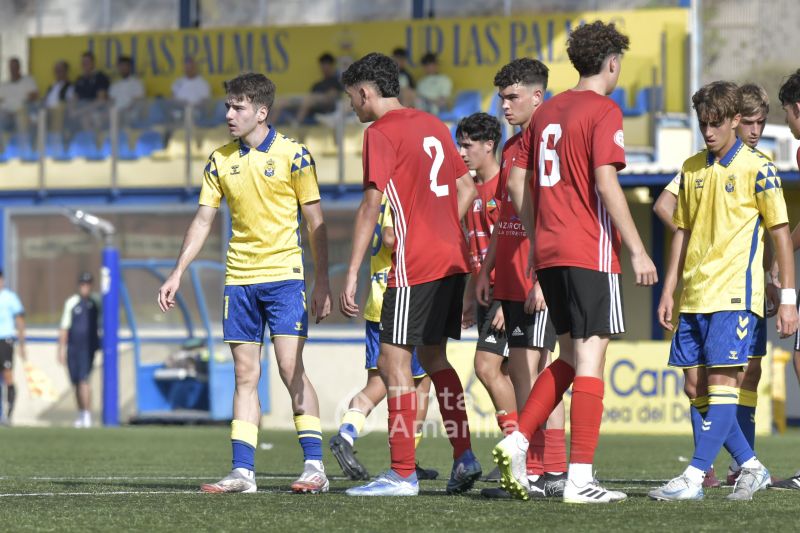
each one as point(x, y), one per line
point(148, 142)
point(54, 147)
point(213, 117)
point(21, 147)
point(643, 103)
point(124, 148)
point(466, 103)
point(620, 97)
point(84, 145)
point(548, 95)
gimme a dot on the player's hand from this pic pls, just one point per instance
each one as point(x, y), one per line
point(62, 357)
point(22, 352)
point(786, 323)
point(468, 312)
point(321, 301)
point(665, 311)
point(535, 300)
point(167, 292)
point(499, 321)
point(773, 298)
point(646, 275)
point(482, 288)
point(530, 269)
point(347, 299)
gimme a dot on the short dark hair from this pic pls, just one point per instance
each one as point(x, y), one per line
point(524, 70)
point(328, 58)
point(125, 59)
point(589, 45)
point(252, 86)
point(479, 127)
point(377, 69)
point(429, 58)
point(717, 101)
point(754, 100)
point(400, 52)
point(789, 92)
point(89, 54)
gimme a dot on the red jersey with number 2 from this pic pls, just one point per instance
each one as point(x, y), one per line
point(409, 155)
point(570, 136)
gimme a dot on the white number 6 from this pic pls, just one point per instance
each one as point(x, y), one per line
point(548, 177)
point(438, 159)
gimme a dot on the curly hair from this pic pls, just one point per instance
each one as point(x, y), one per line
point(377, 69)
point(589, 45)
point(790, 90)
point(479, 127)
point(252, 86)
point(717, 101)
point(524, 70)
point(754, 100)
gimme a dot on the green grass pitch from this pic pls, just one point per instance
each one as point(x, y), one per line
point(147, 478)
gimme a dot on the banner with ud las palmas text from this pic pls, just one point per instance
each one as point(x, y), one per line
point(642, 394)
point(471, 50)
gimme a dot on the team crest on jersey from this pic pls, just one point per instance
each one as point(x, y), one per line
point(729, 187)
point(619, 139)
point(491, 205)
point(269, 170)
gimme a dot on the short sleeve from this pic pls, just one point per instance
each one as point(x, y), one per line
point(304, 176)
point(681, 215)
point(66, 315)
point(608, 141)
point(769, 196)
point(211, 191)
point(379, 159)
point(524, 159)
point(674, 185)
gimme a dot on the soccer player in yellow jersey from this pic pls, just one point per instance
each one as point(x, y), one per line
point(754, 111)
point(374, 391)
point(729, 194)
point(268, 181)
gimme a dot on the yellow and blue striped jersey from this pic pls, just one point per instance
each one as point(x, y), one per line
point(379, 264)
point(727, 204)
point(264, 187)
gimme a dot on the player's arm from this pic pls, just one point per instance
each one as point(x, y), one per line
point(677, 256)
point(520, 194)
point(366, 216)
point(613, 199)
point(193, 241)
point(20, 322)
point(482, 285)
point(318, 237)
point(786, 323)
point(466, 192)
point(664, 208)
point(387, 236)
point(796, 238)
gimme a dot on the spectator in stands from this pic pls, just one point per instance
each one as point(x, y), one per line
point(191, 88)
point(322, 98)
point(407, 85)
point(57, 96)
point(15, 96)
point(78, 340)
point(126, 90)
point(92, 85)
point(434, 89)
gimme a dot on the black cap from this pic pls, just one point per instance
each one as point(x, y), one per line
point(85, 277)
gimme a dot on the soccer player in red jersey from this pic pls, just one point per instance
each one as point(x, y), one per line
point(478, 136)
point(570, 156)
point(531, 338)
point(409, 155)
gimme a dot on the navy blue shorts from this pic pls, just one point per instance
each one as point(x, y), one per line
point(724, 338)
point(79, 364)
point(281, 305)
point(373, 338)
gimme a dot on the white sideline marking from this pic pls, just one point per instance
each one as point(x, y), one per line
point(113, 493)
point(147, 478)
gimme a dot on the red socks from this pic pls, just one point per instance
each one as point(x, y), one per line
point(453, 409)
point(536, 452)
point(550, 386)
point(555, 451)
point(402, 420)
point(508, 423)
point(586, 413)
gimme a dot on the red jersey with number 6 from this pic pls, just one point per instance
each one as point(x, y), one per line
point(570, 136)
point(410, 156)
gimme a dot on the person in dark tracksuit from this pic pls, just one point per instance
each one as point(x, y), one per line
point(78, 341)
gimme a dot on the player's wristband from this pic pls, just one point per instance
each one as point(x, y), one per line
point(788, 297)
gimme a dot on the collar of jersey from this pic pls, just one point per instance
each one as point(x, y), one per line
point(265, 145)
point(727, 158)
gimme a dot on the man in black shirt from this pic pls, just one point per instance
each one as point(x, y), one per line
point(322, 98)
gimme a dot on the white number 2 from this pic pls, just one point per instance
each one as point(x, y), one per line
point(438, 159)
point(549, 164)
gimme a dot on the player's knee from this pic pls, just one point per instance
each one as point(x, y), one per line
point(690, 388)
point(752, 375)
point(485, 370)
point(247, 375)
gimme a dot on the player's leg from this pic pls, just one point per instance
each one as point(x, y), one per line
point(555, 443)
point(243, 325)
point(6, 364)
point(8, 380)
point(422, 383)
point(491, 367)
